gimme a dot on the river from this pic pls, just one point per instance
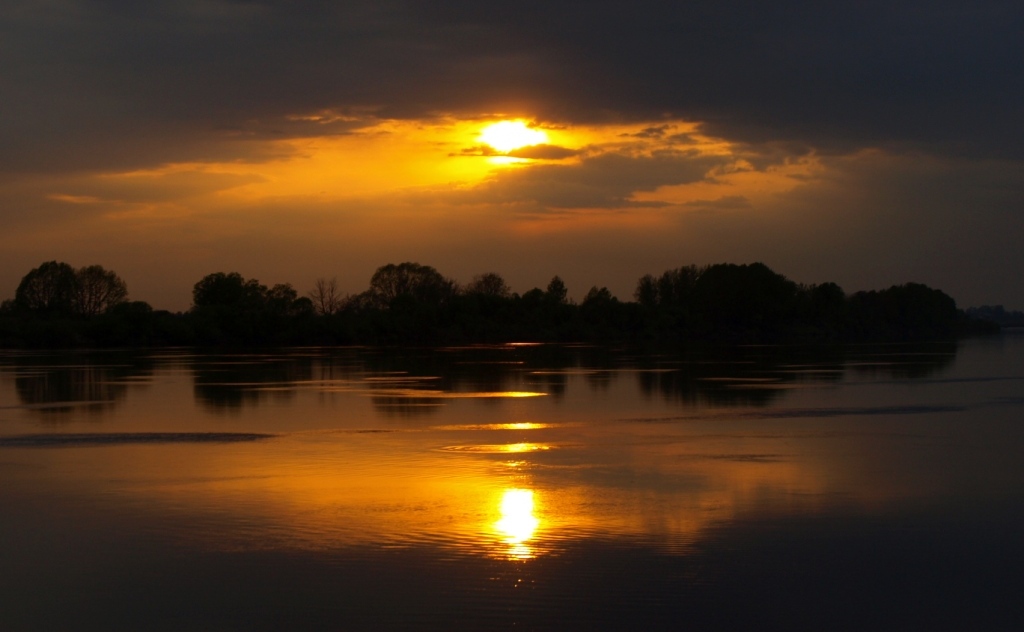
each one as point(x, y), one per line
point(866, 487)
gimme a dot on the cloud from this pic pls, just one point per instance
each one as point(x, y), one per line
point(120, 84)
point(156, 187)
point(529, 152)
point(543, 152)
point(604, 181)
point(727, 203)
point(75, 199)
point(655, 131)
point(835, 76)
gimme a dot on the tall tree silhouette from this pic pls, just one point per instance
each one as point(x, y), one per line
point(325, 296)
point(409, 281)
point(230, 289)
point(50, 289)
point(98, 290)
point(557, 292)
point(489, 284)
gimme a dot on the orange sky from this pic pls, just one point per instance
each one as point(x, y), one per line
point(864, 146)
point(340, 205)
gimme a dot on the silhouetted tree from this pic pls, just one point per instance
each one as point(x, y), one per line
point(912, 310)
point(55, 288)
point(409, 281)
point(128, 323)
point(50, 289)
point(602, 314)
point(672, 289)
point(484, 310)
point(326, 297)
point(825, 310)
point(489, 284)
point(229, 309)
point(284, 309)
point(228, 290)
point(666, 301)
point(57, 306)
point(557, 290)
point(281, 298)
point(98, 290)
point(597, 297)
point(676, 286)
point(646, 292)
point(743, 302)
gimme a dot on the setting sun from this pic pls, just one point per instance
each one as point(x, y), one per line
point(509, 135)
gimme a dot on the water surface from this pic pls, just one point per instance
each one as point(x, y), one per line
point(520, 486)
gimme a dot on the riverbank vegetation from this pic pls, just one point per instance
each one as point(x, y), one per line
point(56, 305)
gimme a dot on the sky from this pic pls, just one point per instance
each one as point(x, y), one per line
point(869, 144)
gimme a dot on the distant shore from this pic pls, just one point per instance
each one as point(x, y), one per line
point(57, 306)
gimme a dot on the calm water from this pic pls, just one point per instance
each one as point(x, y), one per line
point(528, 487)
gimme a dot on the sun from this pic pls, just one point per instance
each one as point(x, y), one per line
point(508, 135)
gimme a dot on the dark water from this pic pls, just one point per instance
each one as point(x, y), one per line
point(526, 487)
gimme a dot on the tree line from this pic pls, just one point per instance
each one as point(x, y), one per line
point(57, 305)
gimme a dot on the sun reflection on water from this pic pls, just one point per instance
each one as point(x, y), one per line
point(517, 524)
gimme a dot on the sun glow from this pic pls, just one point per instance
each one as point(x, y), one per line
point(423, 177)
point(508, 135)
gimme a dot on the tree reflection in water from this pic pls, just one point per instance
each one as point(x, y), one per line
point(721, 376)
point(54, 385)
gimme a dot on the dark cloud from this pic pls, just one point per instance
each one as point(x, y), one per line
point(602, 181)
point(653, 132)
point(116, 82)
point(478, 150)
point(544, 152)
point(943, 75)
point(530, 152)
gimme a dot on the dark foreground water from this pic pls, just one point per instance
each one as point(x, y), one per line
point(526, 487)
